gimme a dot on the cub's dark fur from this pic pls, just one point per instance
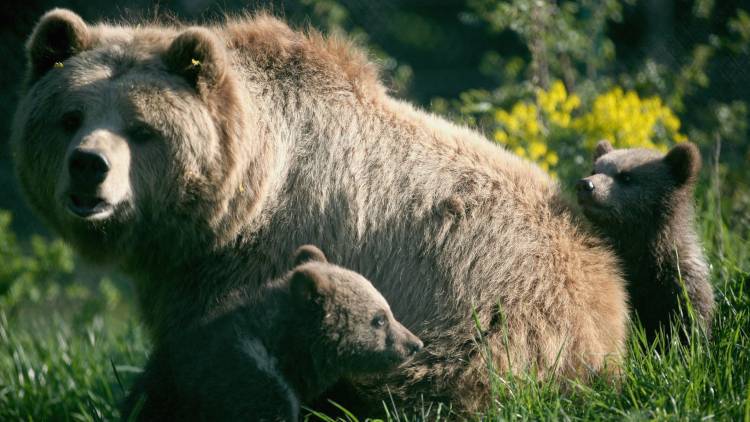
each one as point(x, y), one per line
point(258, 362)
point(643, 201)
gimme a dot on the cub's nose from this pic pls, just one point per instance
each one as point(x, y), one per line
point(584, 186)
point(414, 346)
point(87, 167)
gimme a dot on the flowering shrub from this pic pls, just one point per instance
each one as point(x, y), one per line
point(630, 122)
point(559, 123)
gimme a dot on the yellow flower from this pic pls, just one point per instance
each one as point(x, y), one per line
point(670, 121)
point(628, 120)
point(572, 103)
point(501, 116)
point(501, 136)
point(537, 149)
point(531, 129)
point(552, 158)
point(556, 104)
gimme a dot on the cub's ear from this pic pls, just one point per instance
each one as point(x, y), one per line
point(59, 35)
point(684, 160)
point(198, 56)
point(602, 147)
point(309, 284)
point(307, 253)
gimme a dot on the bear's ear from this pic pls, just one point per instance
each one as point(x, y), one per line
point(59, 35)
point(307, 253)
point(602, 147)
point(198, 56)
point(309, 284)
point(684, 160)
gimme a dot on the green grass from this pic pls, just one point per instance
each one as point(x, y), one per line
point(56, 368)
point(51, 369)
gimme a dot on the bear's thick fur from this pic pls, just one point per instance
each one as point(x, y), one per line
point(261, 361)
point(642, 201)
point(195, 158)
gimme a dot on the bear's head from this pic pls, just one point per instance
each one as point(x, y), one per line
point(347, 319)
point(632, 187)
point(119, 126)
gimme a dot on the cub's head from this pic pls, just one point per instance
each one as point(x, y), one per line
point(347, 317)
point(121, 126)
point(633, 186)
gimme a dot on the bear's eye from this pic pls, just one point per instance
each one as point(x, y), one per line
point(71, 121)
point(379, 320)
point(624, 177)
point(141, 133)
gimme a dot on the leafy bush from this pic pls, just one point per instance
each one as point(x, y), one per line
point(555, 123)
point(568, 90)
point(45, 274)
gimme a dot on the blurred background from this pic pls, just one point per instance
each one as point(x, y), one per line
point(545, 78)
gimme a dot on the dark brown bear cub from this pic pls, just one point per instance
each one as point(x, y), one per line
point(643, 202)
point(258, 362)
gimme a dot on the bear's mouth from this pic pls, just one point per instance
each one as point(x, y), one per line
point(594, 210)
point(87, 206)
point(587, 201)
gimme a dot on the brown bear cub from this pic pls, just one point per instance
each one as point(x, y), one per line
point(643, 202)
point(259, 361)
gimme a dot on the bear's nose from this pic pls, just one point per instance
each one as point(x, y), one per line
point(87, 167)
point(415, 346)
point(584, 185)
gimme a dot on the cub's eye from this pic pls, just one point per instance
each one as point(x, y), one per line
point(379, 321)
point(141, 134)
point(624, 177)
point(71, 121)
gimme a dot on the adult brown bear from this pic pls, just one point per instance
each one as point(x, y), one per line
point(195, 159)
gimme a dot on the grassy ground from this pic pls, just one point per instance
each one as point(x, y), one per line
point(55, 368)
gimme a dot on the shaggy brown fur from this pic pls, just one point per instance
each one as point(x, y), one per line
point(314, 325)
point(294, 141)
point(643, 202)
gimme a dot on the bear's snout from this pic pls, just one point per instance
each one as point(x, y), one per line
point(413, 346)
point(407, 344)
point(96, 175)
point(584, 186)
point(87, 168)
point(584, 190)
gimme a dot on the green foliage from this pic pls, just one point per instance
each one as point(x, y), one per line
point(553, 105)
point(43, 274)
point(555, 129)
point(34, 275)
point(52, 370)
point(561, 37)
